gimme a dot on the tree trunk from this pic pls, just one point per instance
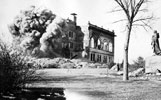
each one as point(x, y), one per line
point(126, 46)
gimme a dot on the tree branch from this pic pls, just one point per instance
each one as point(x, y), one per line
point(120, 20)
point(117, 10)
point(143, 19)
point(124, 8)
point(146, 24)
point(137, 7)
point(141, 26)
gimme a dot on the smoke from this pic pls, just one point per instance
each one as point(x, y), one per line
point(52, 35)
point(40, 32)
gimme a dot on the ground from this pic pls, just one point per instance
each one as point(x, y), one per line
point(99, 86)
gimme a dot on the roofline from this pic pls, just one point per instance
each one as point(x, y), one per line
point(101, 29)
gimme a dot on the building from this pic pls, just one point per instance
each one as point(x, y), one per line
point(72, 43)
point(98, 44)
point(91, 42)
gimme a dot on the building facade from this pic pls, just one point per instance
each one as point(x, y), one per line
point(91, 42)
point(72, 43)
point(98, 44)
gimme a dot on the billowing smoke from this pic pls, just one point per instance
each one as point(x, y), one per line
point(53, 33)
point(39, 31)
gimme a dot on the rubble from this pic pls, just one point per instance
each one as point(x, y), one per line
point(137, 72)
point(115, 67)
point(64, 63)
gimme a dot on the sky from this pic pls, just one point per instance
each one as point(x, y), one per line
point(95, 11)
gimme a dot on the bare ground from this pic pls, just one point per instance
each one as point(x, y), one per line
point(100, 86)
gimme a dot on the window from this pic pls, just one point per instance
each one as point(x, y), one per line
point(71, 45)
point(99, 58)
point(71, 34)
point(92, 57)
point(64, 45)
point(109, 59)
point(99, 44)
point(110, 47)
point(105, 59)
point(92, 43)
point(106, 46)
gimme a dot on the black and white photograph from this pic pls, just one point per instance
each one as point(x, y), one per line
point(80, 49)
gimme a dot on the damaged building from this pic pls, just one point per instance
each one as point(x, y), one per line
point(72, 44)
point(91, 42)
point(98, 44)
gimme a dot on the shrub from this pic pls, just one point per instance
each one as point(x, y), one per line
point(14, 69)
point(138, 63)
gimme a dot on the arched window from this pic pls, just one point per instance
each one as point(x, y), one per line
point(92, 43)
point(107, 47)
point(99, 44)
point(105, 44)
point(110, 47)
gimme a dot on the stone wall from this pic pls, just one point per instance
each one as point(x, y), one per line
point(152, 64)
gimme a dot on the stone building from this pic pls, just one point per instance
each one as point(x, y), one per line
point(91, 42)
point(98, 44)
point(72, 44)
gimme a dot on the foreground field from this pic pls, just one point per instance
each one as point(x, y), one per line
point(98, 86)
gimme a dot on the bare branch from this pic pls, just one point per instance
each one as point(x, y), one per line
point(124, 8)
point(117, 10)
point(137, 7)
point(143, 10)
point(143, 19)
point(141, 26)
point(146, 24)
point(120, 21)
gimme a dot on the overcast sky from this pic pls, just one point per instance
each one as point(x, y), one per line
point(95, 11)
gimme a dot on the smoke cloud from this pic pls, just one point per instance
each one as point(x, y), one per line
point(39, 31)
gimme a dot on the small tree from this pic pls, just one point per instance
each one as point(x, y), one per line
point(139, 63)
point(132, 8)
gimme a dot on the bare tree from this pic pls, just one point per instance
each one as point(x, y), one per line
point(132, 8)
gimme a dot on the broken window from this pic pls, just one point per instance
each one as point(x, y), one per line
point(105, 46)
point(92, 43)
point(110, 47)
point(71, 45)
point(99, 44)
point(71, 34)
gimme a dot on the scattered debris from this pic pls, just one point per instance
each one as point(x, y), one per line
point(115, 67)
point(64, 63)
point(137, 72)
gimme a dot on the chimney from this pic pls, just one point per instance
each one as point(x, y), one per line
point(74, 18)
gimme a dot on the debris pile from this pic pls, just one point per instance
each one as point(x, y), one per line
point(64, 63)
